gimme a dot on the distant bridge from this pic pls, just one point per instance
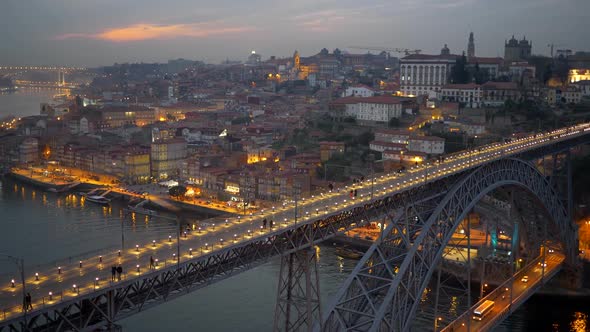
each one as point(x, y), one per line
point(422, 208)
point(41, 68)
point(41, 84)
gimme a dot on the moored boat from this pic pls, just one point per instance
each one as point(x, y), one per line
point(98, 199)
point(348, 253)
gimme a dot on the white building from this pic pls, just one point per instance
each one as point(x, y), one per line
point(392, 135)
point(371, 109)
point(569, 95)
point(517, 69)
point(584, 87)
point(358, 91)
point(386, 146)
point(423, 74)
point(489, 65)
point(469, 94)
point(427, 144)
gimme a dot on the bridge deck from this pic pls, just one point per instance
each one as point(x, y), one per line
point(510, 295)
point(217, 235)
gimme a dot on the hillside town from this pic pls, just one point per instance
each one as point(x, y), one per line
point(271, 129)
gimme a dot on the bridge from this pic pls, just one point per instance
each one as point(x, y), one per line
point(44, 84)
point(422, 209)
point(41, 68)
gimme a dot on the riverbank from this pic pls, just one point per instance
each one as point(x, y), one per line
point(81, 184)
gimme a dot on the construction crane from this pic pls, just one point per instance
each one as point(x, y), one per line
point(384, 49)
point(552, 46)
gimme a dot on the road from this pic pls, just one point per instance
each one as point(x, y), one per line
point(218, 233)
point(502, 296)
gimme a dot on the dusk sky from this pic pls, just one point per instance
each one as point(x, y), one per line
point(101, 32)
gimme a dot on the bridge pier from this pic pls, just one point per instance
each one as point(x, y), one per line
point(298, 294)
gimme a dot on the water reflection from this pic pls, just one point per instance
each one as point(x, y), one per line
point(580, 322)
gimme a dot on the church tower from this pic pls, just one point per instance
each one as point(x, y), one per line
point(471, 47)
point(296, 60)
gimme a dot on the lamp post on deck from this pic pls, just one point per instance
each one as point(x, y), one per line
point(20, 263)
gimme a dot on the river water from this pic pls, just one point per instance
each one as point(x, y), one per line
point(44, 227)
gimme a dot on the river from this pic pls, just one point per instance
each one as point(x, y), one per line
point(44, 227)
point(26, 101)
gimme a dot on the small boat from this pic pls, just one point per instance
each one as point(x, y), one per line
point(141, 210)
point(348, 253)
point(98, 199)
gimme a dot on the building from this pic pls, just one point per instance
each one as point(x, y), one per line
point(167, 157)
point(119, 116)
point(584, 87)
point(471, 47)
point(378, 109)
point(427, 144)
point(405, 156)
point(577, 75)
point(515, 50)
point(495, 94)
point(567, 95)
point(358, 91)
point(469, 94)
point(137, 165)
point(329, 149)
point(28, 151)
point(380, 146)
point(517, 70)
point(254, 59)
point(423, 74)
point(392, 136)
point(491, 66)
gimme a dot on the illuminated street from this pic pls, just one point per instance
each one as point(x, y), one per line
point(512, 292)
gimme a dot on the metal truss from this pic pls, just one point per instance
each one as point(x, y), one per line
point(385, 288)
point(298, 295)
point(107, 305)
point(385, 291)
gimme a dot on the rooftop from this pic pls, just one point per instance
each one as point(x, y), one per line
point(467, 86)
point(369, 100)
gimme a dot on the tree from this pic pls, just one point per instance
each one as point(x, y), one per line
point(324, 52)
point(480, 76)
point(337, 53)
point(177, 191)
point(394, 123)
point(459, 73)
point(365, 138)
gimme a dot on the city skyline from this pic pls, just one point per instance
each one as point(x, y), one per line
point(95, 33)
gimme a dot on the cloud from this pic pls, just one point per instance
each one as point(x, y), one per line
point(147, 31)
point(320, 21)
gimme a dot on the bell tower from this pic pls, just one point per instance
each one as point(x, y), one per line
point(471, 47)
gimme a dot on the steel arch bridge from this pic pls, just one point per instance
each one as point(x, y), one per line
point(384, 291)
point(425, 211)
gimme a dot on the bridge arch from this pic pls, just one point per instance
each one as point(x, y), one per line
point(383, 292)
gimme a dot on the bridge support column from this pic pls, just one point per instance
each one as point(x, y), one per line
point(298, 295)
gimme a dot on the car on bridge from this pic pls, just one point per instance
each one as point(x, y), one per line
point(525, 279)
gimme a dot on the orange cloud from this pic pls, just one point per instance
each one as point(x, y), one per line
point(145, 31)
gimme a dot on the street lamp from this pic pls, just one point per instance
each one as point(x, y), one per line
point(20, 263)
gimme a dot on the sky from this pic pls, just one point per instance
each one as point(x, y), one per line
point(102, 32)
